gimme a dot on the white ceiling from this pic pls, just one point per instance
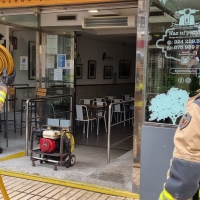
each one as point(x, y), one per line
point(116, 35)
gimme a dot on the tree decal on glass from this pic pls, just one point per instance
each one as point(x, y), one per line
point(170, 105)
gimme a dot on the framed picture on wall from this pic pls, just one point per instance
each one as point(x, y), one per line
point(92, 69)
point(79, 70)
point(31, 60)
point(124, 69)
point(108, 72)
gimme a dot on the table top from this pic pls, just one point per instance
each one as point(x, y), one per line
point(91, 106)
point(61, 104)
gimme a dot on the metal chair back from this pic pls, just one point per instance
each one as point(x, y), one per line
point(80, 114)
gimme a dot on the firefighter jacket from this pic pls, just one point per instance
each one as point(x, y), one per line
point(187, 136)
point(184, 173)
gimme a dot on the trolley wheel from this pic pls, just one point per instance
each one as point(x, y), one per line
point(41, 161)
point(72, 160)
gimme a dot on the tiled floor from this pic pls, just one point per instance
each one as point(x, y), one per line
point(23, 189)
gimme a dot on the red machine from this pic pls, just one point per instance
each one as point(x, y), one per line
point(55, 144)
point(47, 145)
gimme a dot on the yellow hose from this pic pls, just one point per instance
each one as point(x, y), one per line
point(6, 61)
point(3, 189)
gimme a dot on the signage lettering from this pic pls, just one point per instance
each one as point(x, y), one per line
point(27, 3)
point(182, 37)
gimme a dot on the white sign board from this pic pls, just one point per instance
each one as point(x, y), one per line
point(58, 74)
point(50, 61)
point(52, 44)
point(23, 63)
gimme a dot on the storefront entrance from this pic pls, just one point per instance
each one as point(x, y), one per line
point(101, 62)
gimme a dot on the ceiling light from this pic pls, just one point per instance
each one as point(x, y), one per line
point(93, 11)
point(3, 18)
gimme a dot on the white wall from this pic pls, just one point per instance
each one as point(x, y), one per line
point(22, 50)
point(90, 49)
point(23, 37)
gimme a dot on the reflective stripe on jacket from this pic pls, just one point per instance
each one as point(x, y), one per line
point(165, 195)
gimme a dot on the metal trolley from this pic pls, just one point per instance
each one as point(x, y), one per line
point(62, 155)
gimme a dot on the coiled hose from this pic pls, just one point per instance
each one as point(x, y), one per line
point(7, 73)
point(6, 61)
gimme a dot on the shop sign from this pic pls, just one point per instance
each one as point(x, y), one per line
point(182, 38)
point(27, 3)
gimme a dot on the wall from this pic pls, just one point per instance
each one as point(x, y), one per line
point(156, 151)
point(92, 91)
point(92, 49)
point(23, 37)
point(21, 76)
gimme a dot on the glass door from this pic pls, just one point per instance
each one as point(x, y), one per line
point(59, 76)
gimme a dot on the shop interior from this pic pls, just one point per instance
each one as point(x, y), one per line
point(107, 48)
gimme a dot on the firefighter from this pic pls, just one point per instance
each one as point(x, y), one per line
point(183, 177)
point(7, 75)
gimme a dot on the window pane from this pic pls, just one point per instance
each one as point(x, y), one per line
point(173, 68)
point(29, 20)
point(60, 61)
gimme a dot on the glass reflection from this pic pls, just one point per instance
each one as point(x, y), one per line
point(29, 20)
point(173, 63)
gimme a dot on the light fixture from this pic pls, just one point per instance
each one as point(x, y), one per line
point(93, 11)
point(36, 11)
point(3, 18)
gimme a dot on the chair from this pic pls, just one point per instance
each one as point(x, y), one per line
point(52, 110)
point(119, 109)
point(126, 97)
point(99, 99)
point(82, 115)
point(109, 98)
point(100, 113)
point(85, 101)
point(40, 92)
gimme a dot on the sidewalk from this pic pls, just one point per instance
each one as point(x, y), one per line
point(24, 189)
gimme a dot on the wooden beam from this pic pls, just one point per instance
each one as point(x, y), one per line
point(30, 3)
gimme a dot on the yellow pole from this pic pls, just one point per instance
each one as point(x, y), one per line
point(3, 189)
